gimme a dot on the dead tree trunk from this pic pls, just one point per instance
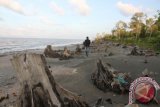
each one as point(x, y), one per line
point(49, 52)
point(107, 78)
point(38, 87)
point(134, 51)
point(102, 78)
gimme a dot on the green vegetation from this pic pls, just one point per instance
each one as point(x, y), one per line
point(142, 30)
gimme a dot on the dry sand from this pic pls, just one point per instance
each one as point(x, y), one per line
point(74, 74)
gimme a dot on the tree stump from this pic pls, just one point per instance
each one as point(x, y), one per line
point(107, 78)
point(66, 54)
point(38, 87)
point(102, 78)
point(49, 52)
point(78, 50)
point(134, 51)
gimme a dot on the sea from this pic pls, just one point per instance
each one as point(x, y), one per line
point(19, 44)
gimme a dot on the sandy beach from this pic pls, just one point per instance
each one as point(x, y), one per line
point(75, 74)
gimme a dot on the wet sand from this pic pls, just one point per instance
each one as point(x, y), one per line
point(74, 74)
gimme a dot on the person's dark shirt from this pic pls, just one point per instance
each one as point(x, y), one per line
point(87, 43)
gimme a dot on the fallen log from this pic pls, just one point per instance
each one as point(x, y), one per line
point(107, 78)
point(38, 87)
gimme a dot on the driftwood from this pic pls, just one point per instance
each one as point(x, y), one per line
point(78, 50)
point(49, 52)
point(139, 52)
point(107, 78)
point(136, 52)
point(150, 53)
point(66, 54)
point(61, 54)
point(38, 87)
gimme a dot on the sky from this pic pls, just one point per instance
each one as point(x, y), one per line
point(67, 19)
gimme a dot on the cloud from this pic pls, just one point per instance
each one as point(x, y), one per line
point(81, 6)
point(127, 9)
point(57, 8)
point(12, 5)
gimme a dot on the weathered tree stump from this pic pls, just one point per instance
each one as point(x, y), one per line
point(78, 50)
point(38, 87)
point(102, 78)
point(49, 52)
point(61, 54)
point(66, 54)
point(107, 78)
point(136, 52)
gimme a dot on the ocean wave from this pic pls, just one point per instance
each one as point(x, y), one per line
point(20, 44)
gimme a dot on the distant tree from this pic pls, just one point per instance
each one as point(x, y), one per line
point(158, 19)
point(143, 31)
point(136, 23)
point(114, 32)
point(121, 29)
point(98, 38)
point(149, 23)
point(151, 26)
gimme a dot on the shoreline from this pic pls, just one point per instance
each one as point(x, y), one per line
point(9, 84)
point(74, 74)
point(38, 50)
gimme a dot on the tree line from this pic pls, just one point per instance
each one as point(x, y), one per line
point(141, 30)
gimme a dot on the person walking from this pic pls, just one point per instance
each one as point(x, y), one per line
point(86, 45)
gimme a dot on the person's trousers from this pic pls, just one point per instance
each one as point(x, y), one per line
point(87, 50)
